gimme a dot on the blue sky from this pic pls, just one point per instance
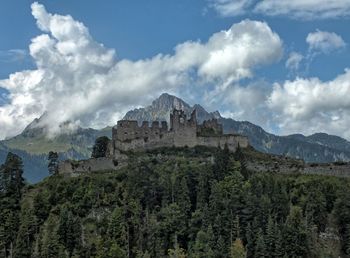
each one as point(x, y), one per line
point(264, 91)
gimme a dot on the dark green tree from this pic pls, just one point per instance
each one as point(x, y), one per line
point(50, 247)
point(270, 238)
point(100, 147)
point(201, 246)
point(69, 230)
point(53, 163)
point(26, 232)
point(260, 249)
point(221, 163)
point(294, 234)
point(13, 175)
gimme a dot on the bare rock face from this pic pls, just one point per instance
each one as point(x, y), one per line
point(161, 108)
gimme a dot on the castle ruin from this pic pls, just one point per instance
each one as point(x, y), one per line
point(130, 136)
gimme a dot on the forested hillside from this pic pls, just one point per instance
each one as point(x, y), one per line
point(175, 203)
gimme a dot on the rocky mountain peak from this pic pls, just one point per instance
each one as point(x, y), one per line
point(161, 108)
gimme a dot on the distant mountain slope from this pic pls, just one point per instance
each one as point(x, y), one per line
point(315, 148)
point(33, 146)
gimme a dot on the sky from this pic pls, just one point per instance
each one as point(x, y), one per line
point(280, 64)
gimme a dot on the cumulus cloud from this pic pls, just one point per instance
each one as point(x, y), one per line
point(78, 79)
point(311, 105)
point(324, 41)
point(293, 61)
point(299, 9)
point(248, 103)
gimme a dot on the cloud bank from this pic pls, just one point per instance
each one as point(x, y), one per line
point(297, 9)
point(78, 79)
point(311, 105)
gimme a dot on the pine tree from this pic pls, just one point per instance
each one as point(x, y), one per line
point(347, 239)
point(183, 198)
point(2, 242)
point(221, 163)
point(279, 251)
point(53, 163)
point(239, 156)
point(294, 234)
point(201, 248)
point(13, 170)
point(221, 248)
point(260, 249)
point(50, 246)
point(25, 235)
point(250, 241)
point(270, 238)
point(237, 249)
point(117, 227)
point(100, 147)
point(69, 230)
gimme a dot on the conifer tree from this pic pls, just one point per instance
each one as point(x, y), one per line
point(50, 246)
point(25, 235)
point(53, 163)
point(294, 234)
point(100, 147)
point(237, 249)
point(260, 249)
point(201, 248)
point(69, 230)
point(250, 246)
point(270, 238)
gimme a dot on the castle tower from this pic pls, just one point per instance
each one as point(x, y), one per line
point(178, 120)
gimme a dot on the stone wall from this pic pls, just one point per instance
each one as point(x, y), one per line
point(286, 165)
point(72, 167)
point(331, 169)
point(231, 141)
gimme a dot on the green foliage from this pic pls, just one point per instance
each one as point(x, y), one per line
point(100, 147)
point(237, 249)
point(183, 204)
point(53, 163)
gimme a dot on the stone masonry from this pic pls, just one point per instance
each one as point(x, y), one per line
point(130, 136)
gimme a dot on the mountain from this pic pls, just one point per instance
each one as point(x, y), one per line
point(161, 108)
point(33, 145)
point(319, 147)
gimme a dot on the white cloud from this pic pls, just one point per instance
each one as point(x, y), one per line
point(294, 60)
point(248, 103)
point(325, 42)
point(311, 105)
point(80, 80)
point(298, 9)
point(13, 55)
point(231, 7)
point(305, 9)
